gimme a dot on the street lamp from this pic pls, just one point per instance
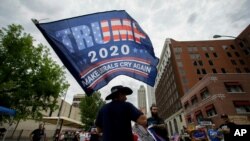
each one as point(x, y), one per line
point(243, 42)
point(219, 36)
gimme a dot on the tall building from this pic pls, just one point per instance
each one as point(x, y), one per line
point(142, 104)
point(184, 63)
point(150, 98)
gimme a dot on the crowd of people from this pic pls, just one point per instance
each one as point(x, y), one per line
point(212, 132)
point(113, 123)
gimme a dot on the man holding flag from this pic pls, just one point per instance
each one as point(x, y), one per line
point(114, 119)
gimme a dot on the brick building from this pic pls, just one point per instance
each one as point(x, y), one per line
point(185, 63)
point(217, 94)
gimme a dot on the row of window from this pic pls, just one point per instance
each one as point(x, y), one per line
point(214, 54)
point(238, 70)
point(211, 63)
point(178, 50)
point(231, 87)
point(204, 93)
point(240, 108)
point(230, 55)
point(193, 49)
point(226, 47)
point(210, 111)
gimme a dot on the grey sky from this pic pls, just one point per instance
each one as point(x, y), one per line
point(160, 19)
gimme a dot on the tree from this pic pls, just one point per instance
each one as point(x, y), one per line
point(30, 81)
point(89, 106)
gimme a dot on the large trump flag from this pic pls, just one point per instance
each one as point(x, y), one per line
point(96, 48)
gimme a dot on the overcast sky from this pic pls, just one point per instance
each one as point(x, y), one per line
point(181, 20)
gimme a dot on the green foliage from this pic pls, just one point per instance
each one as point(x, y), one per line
point(30, 81)
point(89, 107)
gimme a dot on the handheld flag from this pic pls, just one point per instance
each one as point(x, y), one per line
point(96, 48)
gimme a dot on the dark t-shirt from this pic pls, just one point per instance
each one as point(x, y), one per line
point(37, 134)
point(115, 120)
point(231, 126)
point(160, 131)
point(155, 121)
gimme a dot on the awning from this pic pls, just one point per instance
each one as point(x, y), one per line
point(209, 107)
point(7, 111)
point(198, 112)
point(242, 103)
point(232, 83)
point(65, 121)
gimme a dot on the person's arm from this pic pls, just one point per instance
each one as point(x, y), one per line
point(99, 130)
point(31, 135)
point(142, 120)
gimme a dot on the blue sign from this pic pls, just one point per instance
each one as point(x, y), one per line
point(98, 47)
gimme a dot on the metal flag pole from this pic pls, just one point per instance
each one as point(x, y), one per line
point(59, 112)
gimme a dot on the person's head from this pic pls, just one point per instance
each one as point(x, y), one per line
point(154, 110)
point(225, 118)
point(213, 126)
point(41, 126)
point(119, 93)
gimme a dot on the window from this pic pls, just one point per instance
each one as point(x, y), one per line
point(214, 70)
point(186, 105)
point(242, 106)
point(198, 71)
point(238, 70)
point(203, 71)
point(241, 44)
point(195, 49)
point(194, 56)
point(215, 55)
point(192, 49)
point(223, 70)
point(177, 56)
point(210, 62)
point(224, 47)
point(232, 46)
point(233, 87)
point(246, 51)
point(198, 115)
point(204, 93)
point(207, 55)
point(180, 118)
point(229, 54)
point(184, 80)
point(179, 64)
point(237, 54)
point(195, 63)
point(182, 72)
point(189, 119)
point(178, 50)
point(200, 63)
point(247, 70)
point(211, 48)
point(210, 110)
point(242, 62)
point(204, 48)
point(233, 62)
point(194, 100)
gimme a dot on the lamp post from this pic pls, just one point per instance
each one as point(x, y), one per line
point(59, 113)
point(243, 41)
point(219, 36)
